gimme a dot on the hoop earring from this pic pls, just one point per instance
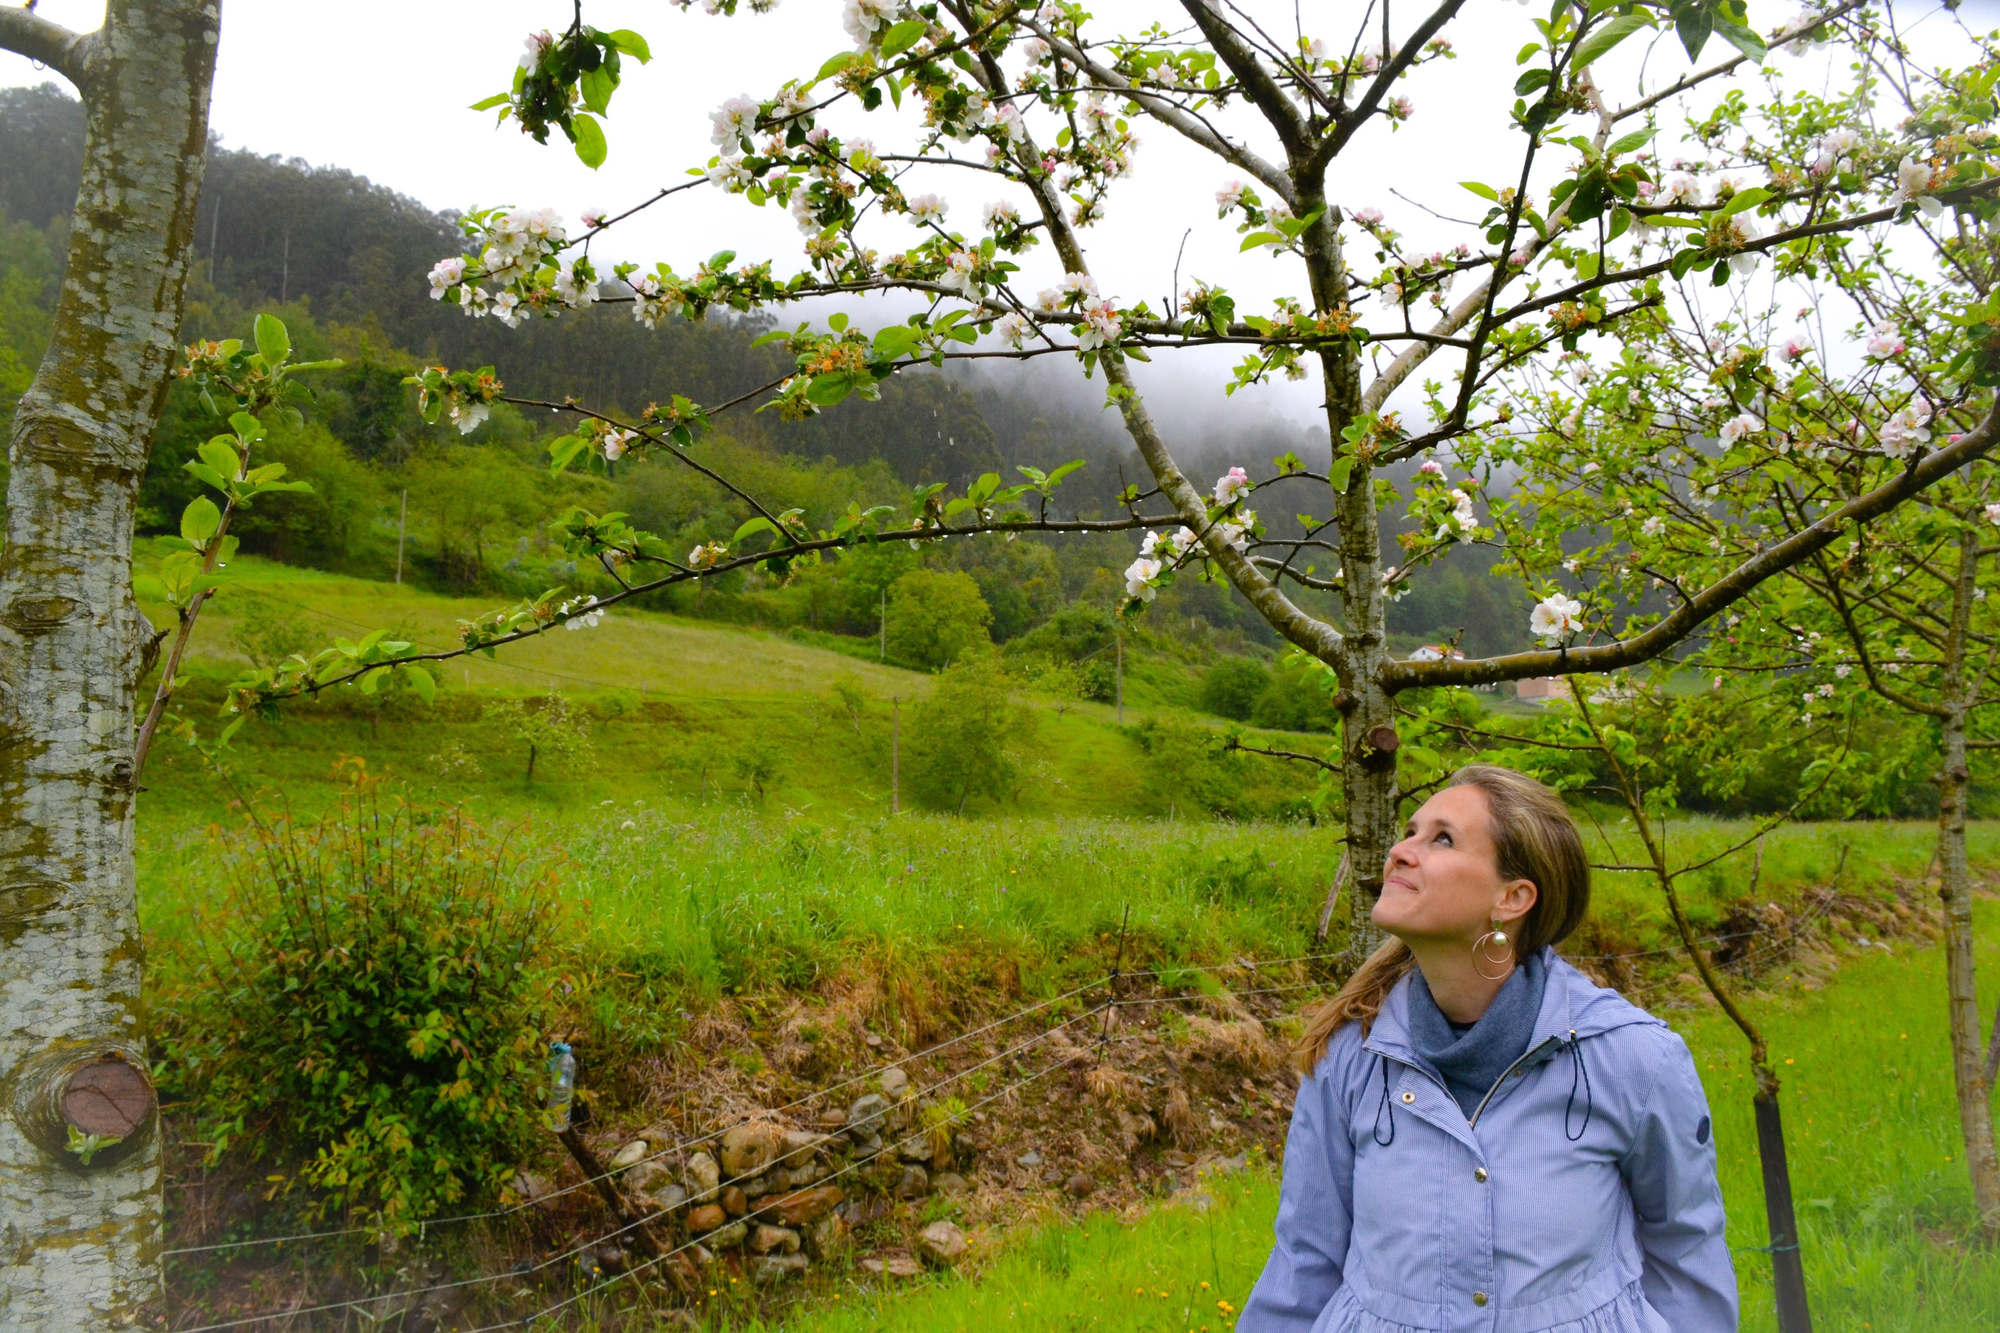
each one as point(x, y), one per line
point(1494, 938)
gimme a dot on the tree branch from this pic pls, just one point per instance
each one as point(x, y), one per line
point(27, 33)
point(1358, 116)
point(1684, 619)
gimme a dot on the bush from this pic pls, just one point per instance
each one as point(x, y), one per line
point(956, 745)
point(1232, 688)
point(1299, 698)
point(936, 619)
point(369, 1016)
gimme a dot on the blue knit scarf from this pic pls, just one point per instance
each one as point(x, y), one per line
point(1473, 1061)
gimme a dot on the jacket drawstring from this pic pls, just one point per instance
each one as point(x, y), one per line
point(1383, 1109)
point(1579, 1073)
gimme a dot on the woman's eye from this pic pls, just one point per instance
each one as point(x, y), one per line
point(1444, 838)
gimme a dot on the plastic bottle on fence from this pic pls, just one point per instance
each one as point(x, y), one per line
point(562, 1086)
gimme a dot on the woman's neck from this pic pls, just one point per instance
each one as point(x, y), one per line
point(1461, 993)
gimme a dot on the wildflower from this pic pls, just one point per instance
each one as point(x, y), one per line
point(1555, 616)
point(1232, 486)
point(927, 208)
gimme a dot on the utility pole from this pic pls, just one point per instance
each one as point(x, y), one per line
point(885, 622)
point(214, 226)
point(895, 756)
point(1121, 680)
point(285, 278)
point(402, 522)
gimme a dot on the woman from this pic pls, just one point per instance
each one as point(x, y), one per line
point(1483, 1139)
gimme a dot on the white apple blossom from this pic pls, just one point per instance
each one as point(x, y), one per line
point(1808, 16)
point(1463, 521)
point(573, 290)
point(1905, 430)
point(445, 274)
point(1430, 467)
point(593, 218)
point(1399, 108)
point(1228, 197)
point(1000, 213)
point(581, 615)
point(1913, 181)
point(731, 175)
point(959, 270)
point(537, 45)
point(1653, 526)
point(1793, 348)
point(506, 309)
point(1007, 119)
point(1036, 50)
point(927, 208)
point(617, 442)
point(1367, 216)
point(1679, 190)
point(1554, 617)
point(1014, 329)
point(705, 555)
point(1884, 342)
point(1101, 326)
point(1235, 533)
point(1993, 514)
point(466, 414)
point(1738, 427)
point(1079, 284)
point(1139, 576)
point(1232, 486)
point(1832, 150)
point(864, 18)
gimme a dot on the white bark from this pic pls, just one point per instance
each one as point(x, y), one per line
point(79, 1245)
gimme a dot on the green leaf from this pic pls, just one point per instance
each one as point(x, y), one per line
point(1743, 39)
point(597, 86)
point(272, 340)
point(1337, 475)
point(902, 37)
point(200, 520)
point(1694, 24)
point(149, 588)
point(1528, 82)
point(1257, 238)
point(1598, 43)
point(1743, 199)
point(588, 136)
point(1630, 143)
point(420, 680)
point(562, 451)
point(1483, 191)
point(631, 43)
point(755, 525)
point(488, 103)
point(834, 65)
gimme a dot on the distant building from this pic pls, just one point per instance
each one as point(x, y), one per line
point(1437, 652)
point(1542, 687)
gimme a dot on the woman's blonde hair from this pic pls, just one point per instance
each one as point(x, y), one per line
point(1535, 839)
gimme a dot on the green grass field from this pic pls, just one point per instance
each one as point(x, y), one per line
point(1873, 1136)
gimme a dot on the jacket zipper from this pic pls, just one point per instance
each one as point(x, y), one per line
point(1507, 1073)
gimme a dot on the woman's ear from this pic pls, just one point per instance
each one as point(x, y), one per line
point(1517, 898)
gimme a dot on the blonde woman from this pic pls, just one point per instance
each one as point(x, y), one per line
point(1483, 1139)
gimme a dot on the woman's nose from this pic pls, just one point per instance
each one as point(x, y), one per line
point(1403, 853)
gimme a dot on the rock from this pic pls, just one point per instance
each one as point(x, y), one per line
point(707, 1217)
point(832, 1118)
point(612, 1258)
point(866, 1116)
point(918, 1149)
point(943, 1240)
point(895, 1265)
point(1229, 1166)
point(765, 1238)
point(805, 1206)
point(757, 1186)
point(800, 1145)
point(828, 1235)
point(1080, 1185)
point(734, 1201)
point(668, 1198)
point(868, 1145)
point(950, 1183)
point(914, 1184)
point(777, 1267)
point(799, 1178)
point(630, 1155)
point(645, 1177)
point(749, 1150)
point(703, 1176)
point(1030, 1159)
point(872, 1040)
point(1177, 1160)
point(701, 1254)
point(728, 1237)
point(533, 1189)
point(894, 1083)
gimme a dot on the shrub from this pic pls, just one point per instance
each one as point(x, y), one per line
point(956, 743)
point(369, 1015)
point(1232, 688)
point(936, 619)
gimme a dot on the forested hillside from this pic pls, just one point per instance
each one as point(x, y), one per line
point(341, 260)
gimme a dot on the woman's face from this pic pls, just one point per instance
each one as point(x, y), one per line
point(1442, 881)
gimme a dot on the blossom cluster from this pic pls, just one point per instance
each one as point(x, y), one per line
point(522, 252)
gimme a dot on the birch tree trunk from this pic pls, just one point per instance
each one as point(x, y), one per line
point(80, 1229)
point(1968, 1062)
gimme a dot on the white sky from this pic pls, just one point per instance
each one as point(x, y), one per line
point(382, 88)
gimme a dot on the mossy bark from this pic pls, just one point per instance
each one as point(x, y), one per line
point(80, 1243)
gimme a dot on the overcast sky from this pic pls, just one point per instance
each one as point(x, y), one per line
point(381, 87)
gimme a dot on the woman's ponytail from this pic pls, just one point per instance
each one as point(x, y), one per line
point(1356, 1002)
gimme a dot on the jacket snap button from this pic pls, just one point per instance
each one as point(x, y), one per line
point(1409, 1097)
point(1479, 1174)
point(1479, 1298)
